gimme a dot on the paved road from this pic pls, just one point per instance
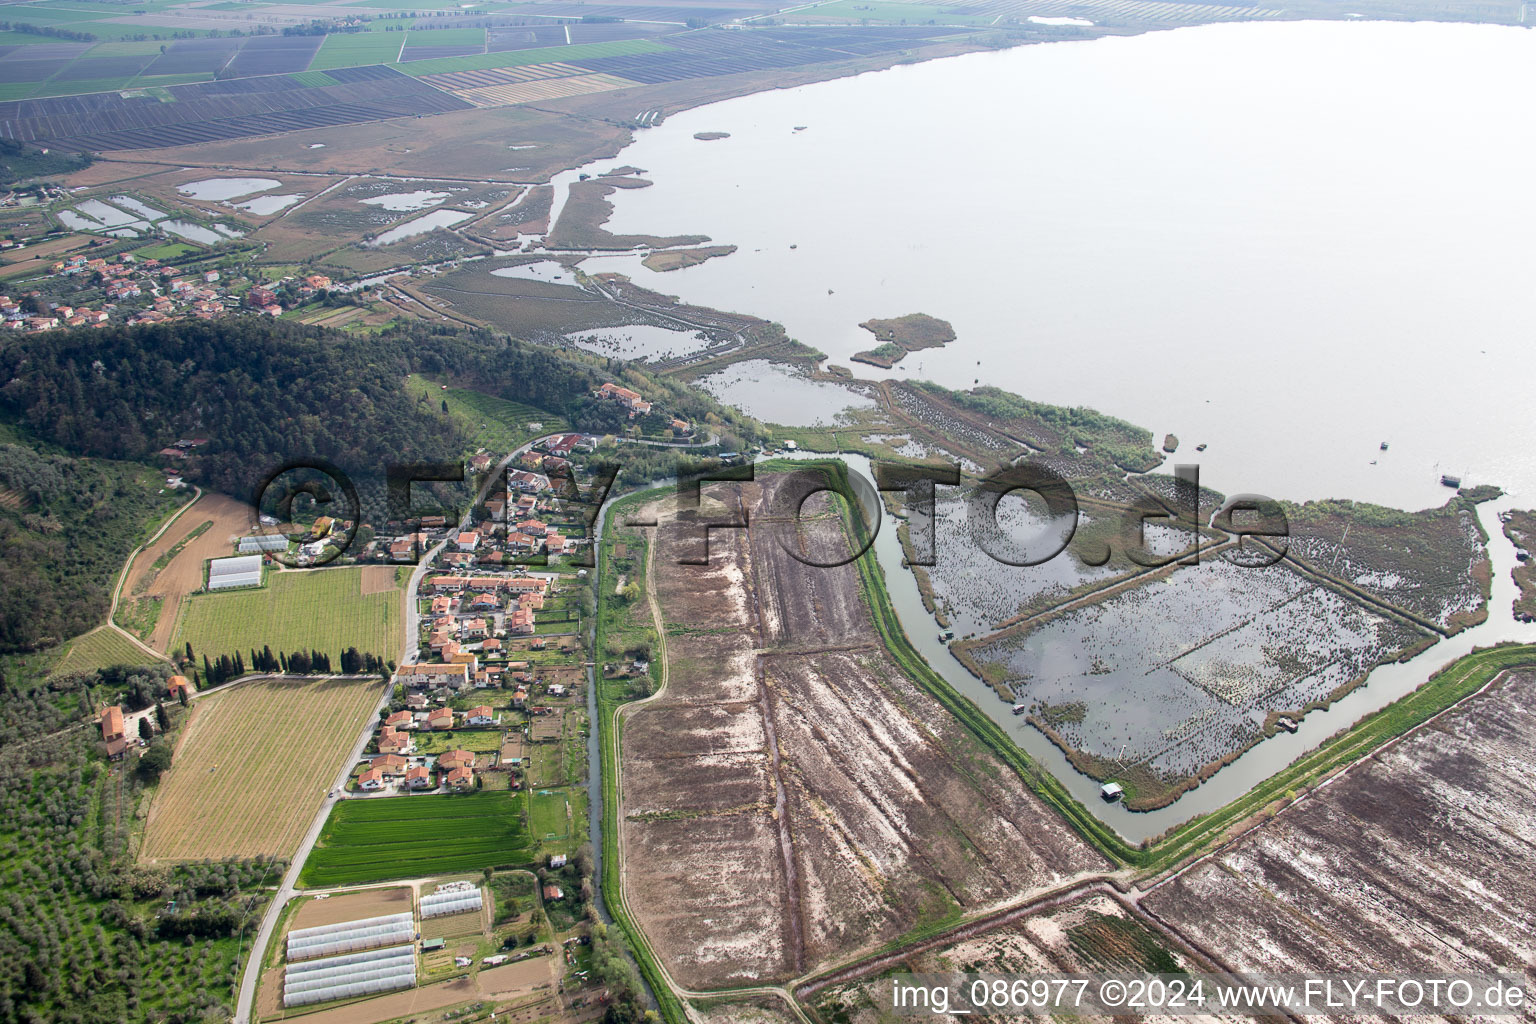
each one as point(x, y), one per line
point(289, 887)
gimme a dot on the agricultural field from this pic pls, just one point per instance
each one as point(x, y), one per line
point(357, 48)
point(325, 610)
point(252, 766)
point(1092, 933)
point(100, 648)
point(1421, 854)
point(231, 109)
point(830, 845)
point(163, 574)
point(410, 836)
point(495, 424)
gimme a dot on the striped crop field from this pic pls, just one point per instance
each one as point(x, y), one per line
point(252, 766)
point(325, 610)
point(410, 836)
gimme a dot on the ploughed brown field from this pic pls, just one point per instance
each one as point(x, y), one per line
point(231, 520)
point(790, 797)
point(1421, 859)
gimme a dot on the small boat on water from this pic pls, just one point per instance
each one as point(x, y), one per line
point(1020, 709)
point(1200, 447)
point(1111, 791)
point(1287, 723)
point(1450, 480)
point(1385, 446)
point(946, 636)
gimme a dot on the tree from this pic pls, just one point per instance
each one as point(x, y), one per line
point(146, 731)
point(163, 717)
point(154, 762)
point(189, 650)
point(181, 695)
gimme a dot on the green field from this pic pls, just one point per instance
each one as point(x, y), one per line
point(321, 610)
point(354, 49)
point(446, 37)
point(100, 648)
point(407, 837)
point(492, 423)
point(517, 58)
point(547, 814)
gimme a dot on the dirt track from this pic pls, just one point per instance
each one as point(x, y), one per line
point(792, 797)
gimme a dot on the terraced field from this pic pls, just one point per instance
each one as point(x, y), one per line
point(252, 767)
point(403, 837)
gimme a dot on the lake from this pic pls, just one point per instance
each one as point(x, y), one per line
point(1291, 242)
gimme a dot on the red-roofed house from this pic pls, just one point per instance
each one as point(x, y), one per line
point(393, 741)
point(417, 777)
point(459, 778)
point(441, 718)
point(112, 731)
point(482, 715)
point(400, 720)
point(468, 541)
point(392, 765)
point(371, 779)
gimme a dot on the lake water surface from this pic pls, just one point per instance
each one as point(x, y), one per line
point(1288, 241)
point(1291, 242)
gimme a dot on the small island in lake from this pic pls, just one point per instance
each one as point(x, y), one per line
point(904, 334)
point(711, 136)
point(677, 259)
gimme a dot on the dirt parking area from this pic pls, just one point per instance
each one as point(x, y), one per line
point(353, 906)
point(791, 796)
point(1422, 858)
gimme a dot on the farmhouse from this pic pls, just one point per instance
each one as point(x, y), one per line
point(112, 733)
point(631, 400)
point(178, 685)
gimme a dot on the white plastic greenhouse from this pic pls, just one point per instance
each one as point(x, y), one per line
point(351, 936)
point(347, 976)
point(441, 904)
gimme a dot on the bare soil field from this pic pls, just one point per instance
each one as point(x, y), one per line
point(1421, 858)
point(377, 579)
point(478, 139)
point(231, 519)
point(757, 1011)
point(791, 796)
point(509, 981)
point(353, 906)
point(252, 766)
point(1089, 933)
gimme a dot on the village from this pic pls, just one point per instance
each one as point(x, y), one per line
point(132, 289)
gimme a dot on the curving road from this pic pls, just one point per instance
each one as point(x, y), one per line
point(289, 887)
